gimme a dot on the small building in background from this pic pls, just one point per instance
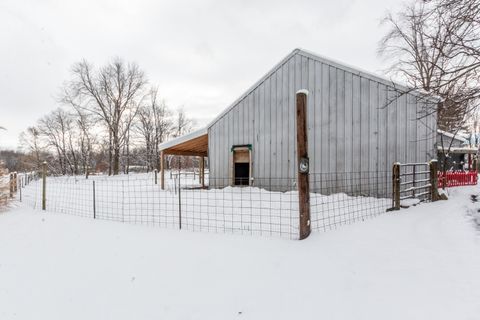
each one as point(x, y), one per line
point(457, 152)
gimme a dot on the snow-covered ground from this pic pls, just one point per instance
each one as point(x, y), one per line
point(419, 263)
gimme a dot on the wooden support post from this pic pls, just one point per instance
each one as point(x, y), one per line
point(15, 182)
point(434, 196)
point(202, 171)
point(396, 186)
point(162, 170)
point(302, 162)
point(44, 185)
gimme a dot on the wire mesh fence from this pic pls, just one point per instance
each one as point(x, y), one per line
point(268, 207)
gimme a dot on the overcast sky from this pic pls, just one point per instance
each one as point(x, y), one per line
point(201, 54)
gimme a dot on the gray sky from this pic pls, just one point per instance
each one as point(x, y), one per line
point(201, 54)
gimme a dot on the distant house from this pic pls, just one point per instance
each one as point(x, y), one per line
point(357, 123)
point(455, 148)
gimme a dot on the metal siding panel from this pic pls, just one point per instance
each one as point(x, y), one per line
point(267, 160)
point(311, 113)
point(261, 132)
point(332, 120)
point(364, 124)
point(401, 129)
point(279, 125)
point(285, 122)
point(348, 88)
point(373, 127)
point(317, 156)
point(258, 124)
point(340, 120)
point(273, 126)
point(292, 145)
point(357, 126)
point(324, 161)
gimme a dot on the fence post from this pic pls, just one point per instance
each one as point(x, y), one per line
point(302, 163)
point(44, 185)
point(162, 170)
point(434, 196)
point(156, 172)
point(11, 185)
point(396, 186)
point(21, 186)
point(179, 204)
point(94, 203)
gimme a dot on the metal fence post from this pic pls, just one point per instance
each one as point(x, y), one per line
point(44, 185)
point(396, 186)
point(156, 181)
point(434, 180)
point(179, 204)
point(94, 203)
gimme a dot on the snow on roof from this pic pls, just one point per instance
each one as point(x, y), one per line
point(334, 63)
point(308, 54)
point(181, 139)
point(451, 135)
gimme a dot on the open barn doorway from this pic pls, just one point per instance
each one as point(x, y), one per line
point(242, 165)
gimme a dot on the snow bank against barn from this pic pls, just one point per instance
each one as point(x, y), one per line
point(420, 263)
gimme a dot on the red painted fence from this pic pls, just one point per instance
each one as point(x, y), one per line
point(455, 179)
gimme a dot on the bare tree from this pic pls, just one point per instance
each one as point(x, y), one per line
point(56, 127)
point(182, 124)
point(435, 46)
point(154, 125)
point(111, 94)
point(30, 140)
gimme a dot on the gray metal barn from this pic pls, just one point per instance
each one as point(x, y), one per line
point(352, 127)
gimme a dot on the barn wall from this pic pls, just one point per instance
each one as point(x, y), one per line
point(350, 127)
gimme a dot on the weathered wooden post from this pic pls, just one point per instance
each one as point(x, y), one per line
point(11, 185)
point(433, 165)
point(44, 185)
point(396, 186)
point(303, 164)
point(162, 170)
point(15, 182)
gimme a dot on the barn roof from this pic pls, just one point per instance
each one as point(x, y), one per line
point(192, 144)
point(198, 141)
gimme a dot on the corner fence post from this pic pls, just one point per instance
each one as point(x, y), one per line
point(433, 165)
point(303, 165)
point(396, 186)
point(44, 185)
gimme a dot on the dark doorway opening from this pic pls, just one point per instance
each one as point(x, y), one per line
point(242, 174)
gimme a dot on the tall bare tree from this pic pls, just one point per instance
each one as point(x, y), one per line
point(30, 140)
point(111, 94)
point(435, 47)
point(154, 125)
